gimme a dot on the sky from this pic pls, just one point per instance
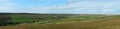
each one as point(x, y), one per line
point(61, 6)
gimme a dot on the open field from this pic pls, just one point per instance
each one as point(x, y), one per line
point(27, 21)
point(102, 24)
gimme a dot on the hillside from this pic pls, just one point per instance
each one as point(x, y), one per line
point(71, 22)
point(58, 21)
point(18, 18)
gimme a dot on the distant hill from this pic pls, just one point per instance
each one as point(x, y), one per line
point(17, 18)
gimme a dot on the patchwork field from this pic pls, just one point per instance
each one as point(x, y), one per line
point(59, 21)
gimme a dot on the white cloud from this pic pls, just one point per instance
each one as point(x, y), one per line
point(73, 6)
point(6, 6)
point(4, 0)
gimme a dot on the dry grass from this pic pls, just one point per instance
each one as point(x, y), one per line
point(108, 23)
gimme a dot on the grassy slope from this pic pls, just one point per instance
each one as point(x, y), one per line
point(51, 17)
point(107, 23)
point(29, 18)
point(92, 22)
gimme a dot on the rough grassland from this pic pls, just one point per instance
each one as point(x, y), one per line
point(107, 23)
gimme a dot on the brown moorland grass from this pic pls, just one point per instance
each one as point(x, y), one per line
point(107, 23)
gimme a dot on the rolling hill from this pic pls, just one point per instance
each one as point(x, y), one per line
point(58, 21)
point(17, 18)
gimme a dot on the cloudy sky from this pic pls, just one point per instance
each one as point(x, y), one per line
point(61, 6)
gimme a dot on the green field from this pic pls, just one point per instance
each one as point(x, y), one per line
point(58, 21)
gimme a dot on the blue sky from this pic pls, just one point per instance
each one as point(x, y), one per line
point(61, 6)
